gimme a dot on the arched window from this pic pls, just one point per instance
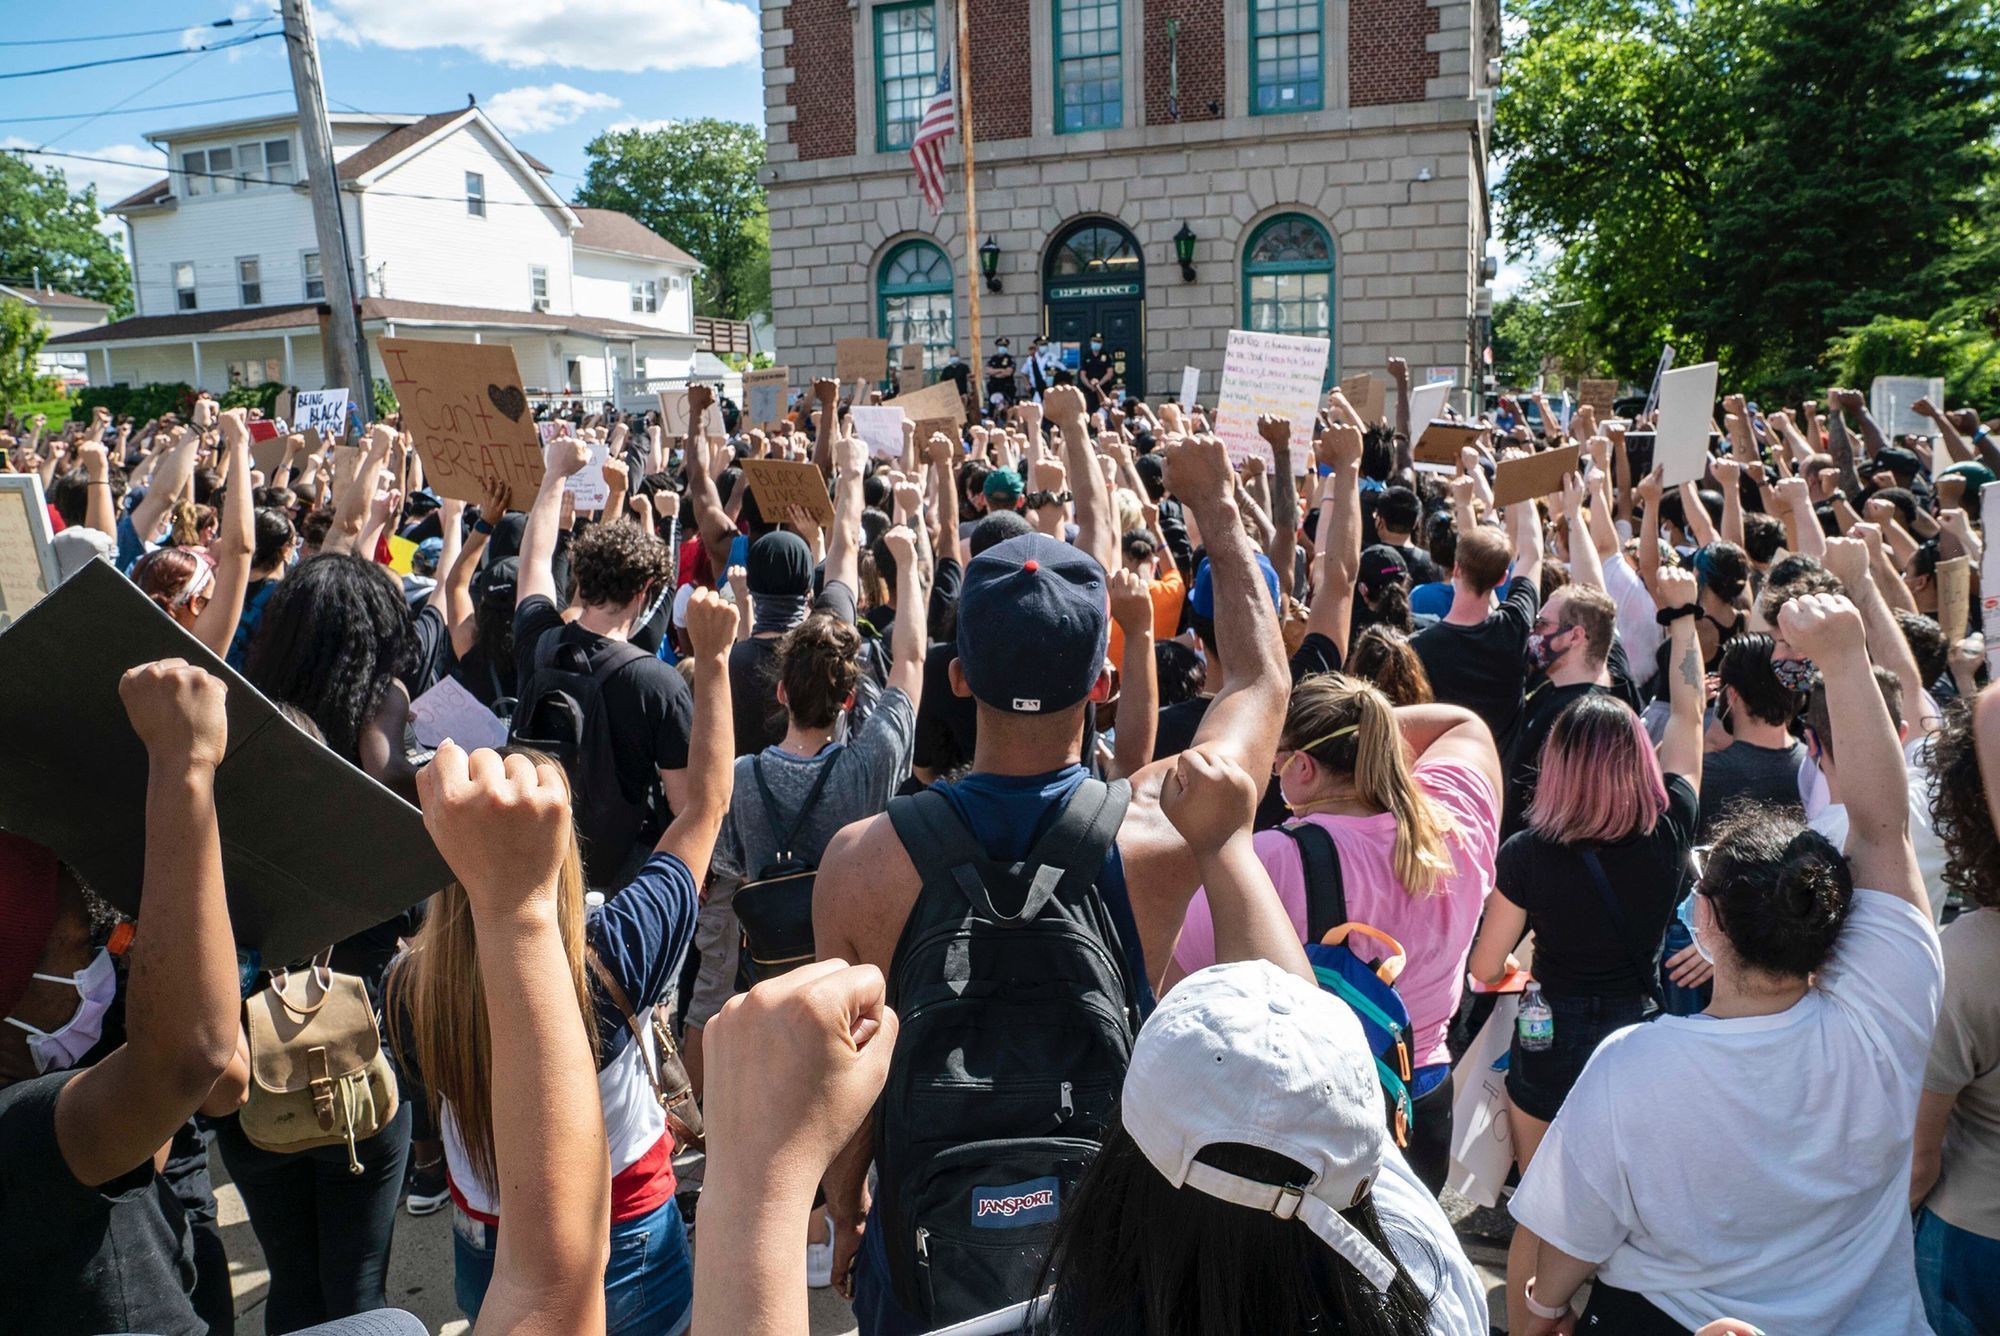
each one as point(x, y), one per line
point(914, 302)
point(1288, 279)
point(1095, 250)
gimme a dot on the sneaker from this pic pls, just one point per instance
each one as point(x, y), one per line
point(428, 1192)
point(819, 1260)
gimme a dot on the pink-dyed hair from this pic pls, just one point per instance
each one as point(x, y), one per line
point(1600, 780)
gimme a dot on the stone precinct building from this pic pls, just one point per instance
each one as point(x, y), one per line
point(1327, 156)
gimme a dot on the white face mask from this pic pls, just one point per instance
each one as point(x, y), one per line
point(96, 985)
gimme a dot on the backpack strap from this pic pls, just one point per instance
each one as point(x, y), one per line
point(1068, 856)
point(1071, 851)
point(1642, 963)
point(791, 836)
point(1326, 889)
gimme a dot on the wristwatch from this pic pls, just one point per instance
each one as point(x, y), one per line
point(1541, 1310)
point(1668, 616)
point(481, 525)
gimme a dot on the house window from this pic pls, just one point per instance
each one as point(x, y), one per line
point(1286, 61)
point(184, 285)
point(538, 288)
point(254, 371)
point(905, 71)
point(475, 194)
point(194, 173)
point(218, 171)
point(221, 170)
point(1288, 279)
point(1090, 90)
point(249, 166)
point(315, 281)
point(646, 296)
point(278, 161)
point(915, 302)
point(249, 282)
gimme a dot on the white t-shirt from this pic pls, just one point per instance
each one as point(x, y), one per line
point(1830, 819)
point(1758, 1167)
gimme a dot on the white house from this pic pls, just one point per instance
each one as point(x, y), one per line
point(453, 232)
point(62, 313)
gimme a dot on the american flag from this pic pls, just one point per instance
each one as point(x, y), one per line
point(927, 149)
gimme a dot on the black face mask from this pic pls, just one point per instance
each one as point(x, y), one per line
point(1725, 716)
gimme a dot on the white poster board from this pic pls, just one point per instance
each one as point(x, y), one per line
point(1687, 416)
point(587, 485)
point(1890, 397)
point(27, 563)
point(674, 417)
point(320, 410)
point(1989, 576)
point(448, 710)
point(881, 428)
point(1190, 387)
point(1666, 364)
point(1279, 374)
point(1427, 404)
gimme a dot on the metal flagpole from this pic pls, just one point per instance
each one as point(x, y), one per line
point(978, 367)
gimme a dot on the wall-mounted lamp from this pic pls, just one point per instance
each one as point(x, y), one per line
point(989, 263)
point(1184, 252)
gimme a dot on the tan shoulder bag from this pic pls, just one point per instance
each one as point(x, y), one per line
point(662, 1059)
point(318, 1076)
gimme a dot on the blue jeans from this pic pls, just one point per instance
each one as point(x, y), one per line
point(1958, 1275)
point(648, 1283)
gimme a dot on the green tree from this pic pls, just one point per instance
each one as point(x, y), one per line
point(1745, 178)
point(46, 227)
point(21, 335)
point(695, 183)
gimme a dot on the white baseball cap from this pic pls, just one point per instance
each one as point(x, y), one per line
point(1250, 1054)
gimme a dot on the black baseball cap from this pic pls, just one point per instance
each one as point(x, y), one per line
point(1032, 625)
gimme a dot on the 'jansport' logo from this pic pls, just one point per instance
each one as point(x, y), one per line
point(1012, 1205)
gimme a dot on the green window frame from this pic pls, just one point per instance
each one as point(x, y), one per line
point(914, 302)
point(1287, 56)
point(905, 71)
point(1090, 81)
point(1288, 279)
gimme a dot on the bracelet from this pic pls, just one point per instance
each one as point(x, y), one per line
point(1540, 1310)
point(1668, 616)
point(481, 525)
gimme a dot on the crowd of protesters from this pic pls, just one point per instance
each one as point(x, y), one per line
point(1058, 889)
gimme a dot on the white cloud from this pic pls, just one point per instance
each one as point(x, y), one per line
point(529, 110)
point(633, 123)
point(133, 167)
point(582, 34)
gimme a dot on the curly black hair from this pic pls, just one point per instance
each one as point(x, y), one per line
point(614, 563)
point(334, 633)
point(1780, 890)
point(1959, 810)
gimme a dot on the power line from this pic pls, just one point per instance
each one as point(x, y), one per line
point(126, 60)
point(157, 106)
point(138, 92)
point(121, 36)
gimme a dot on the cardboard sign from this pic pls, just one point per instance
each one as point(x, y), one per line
point(933, 401)
point(1369, 394)
point(1596, 395)
point(909, 358)
point(1190, 387)
point(313, 850)
point(881, 427)
point(927, 427)
point(587, 484)
point(1687, 416)
point(448, 710)
point(861, 359)
point(764, 395)
point(320, 410)
point(1427, 403)
point(1954, 577)
point(1279, 374)
point(1439, 442)
point(268, 453)
point(674, 416)
point(1533, 476)
point(781, 483)
point(27, 563)
point(464, 406)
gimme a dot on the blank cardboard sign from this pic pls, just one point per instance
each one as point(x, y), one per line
point(313, 850)
point(933, 401)
point(464, 406)
point(1687, 416)
point(861, 359)
point(1369, 394)
point(1533, 476)
point(1439, 442)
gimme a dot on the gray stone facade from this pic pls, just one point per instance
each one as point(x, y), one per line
point(1401, 188)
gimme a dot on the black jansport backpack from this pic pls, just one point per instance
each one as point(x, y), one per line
point(561, 712)
point(1018, 1013)
point(775, 908)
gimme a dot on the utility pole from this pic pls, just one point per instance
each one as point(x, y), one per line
point(344, 354)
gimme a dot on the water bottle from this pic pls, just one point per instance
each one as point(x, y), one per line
point(1536, 1025)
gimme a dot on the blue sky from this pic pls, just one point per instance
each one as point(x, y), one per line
point(552, 73)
